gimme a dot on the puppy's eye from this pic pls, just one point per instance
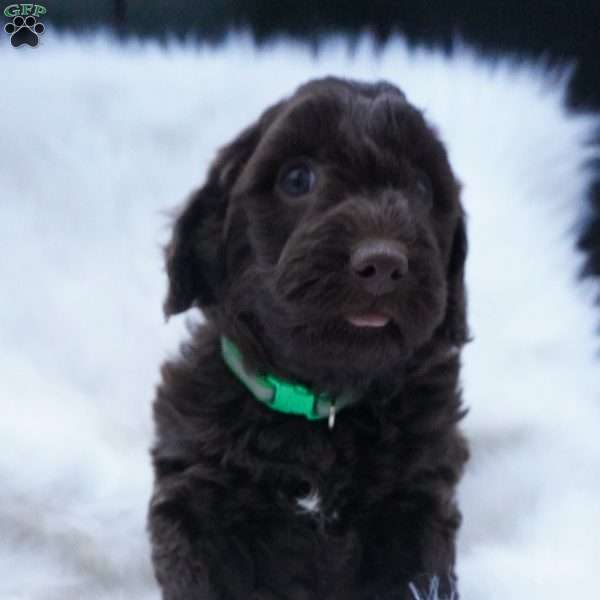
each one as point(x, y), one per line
point(424, 186)
point(297, 179)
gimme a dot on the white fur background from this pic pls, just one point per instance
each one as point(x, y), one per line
point(98, 140)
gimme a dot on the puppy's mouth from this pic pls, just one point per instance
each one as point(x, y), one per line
point(369, 320)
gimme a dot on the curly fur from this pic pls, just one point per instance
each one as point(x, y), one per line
point(272, 273)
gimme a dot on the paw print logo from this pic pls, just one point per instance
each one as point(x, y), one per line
point(24, 30)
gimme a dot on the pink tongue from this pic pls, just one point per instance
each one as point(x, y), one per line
point(371, 320)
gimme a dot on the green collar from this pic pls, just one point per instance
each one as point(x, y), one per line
point(281, 395)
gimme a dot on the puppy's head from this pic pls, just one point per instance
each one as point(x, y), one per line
point(329, 234)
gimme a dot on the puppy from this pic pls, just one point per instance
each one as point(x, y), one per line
point(307, 443)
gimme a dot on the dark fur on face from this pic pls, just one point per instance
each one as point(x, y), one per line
point(336, 208)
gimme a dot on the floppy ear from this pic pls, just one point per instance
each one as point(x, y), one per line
point(455, 326)
point(194, 256)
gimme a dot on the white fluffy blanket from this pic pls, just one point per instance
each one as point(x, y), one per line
point(98, 140)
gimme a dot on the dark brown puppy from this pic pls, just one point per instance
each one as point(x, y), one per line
point(328, 244)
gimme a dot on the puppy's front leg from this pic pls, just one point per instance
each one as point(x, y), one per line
point(194, 558)
point(410, 553)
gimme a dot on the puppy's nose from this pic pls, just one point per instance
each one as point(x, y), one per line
point(379, 265)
